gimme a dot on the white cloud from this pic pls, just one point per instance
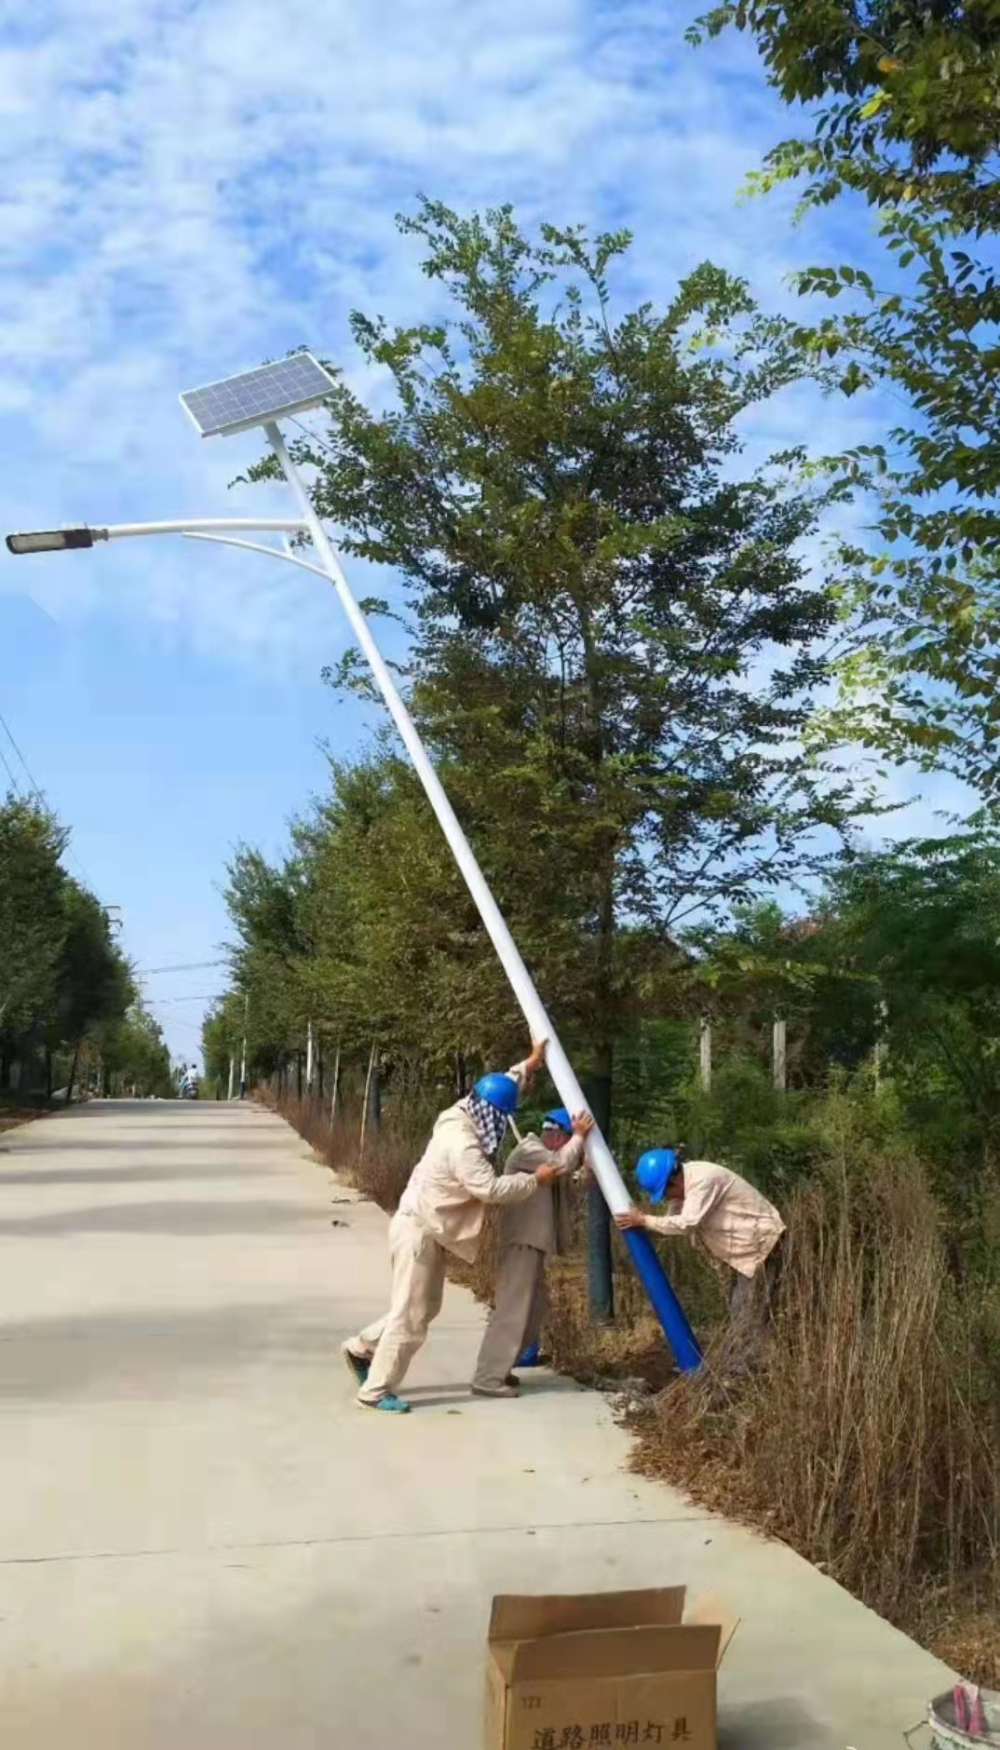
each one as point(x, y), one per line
point(191, 187)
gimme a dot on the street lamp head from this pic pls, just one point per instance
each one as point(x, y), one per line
point(53, 540)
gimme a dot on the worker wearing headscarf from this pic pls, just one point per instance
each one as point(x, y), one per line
point(722, 1214)
point(528, 1232)
point(442, 1211)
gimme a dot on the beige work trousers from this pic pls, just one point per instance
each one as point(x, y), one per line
point(417, 1292)
point(516, 1319)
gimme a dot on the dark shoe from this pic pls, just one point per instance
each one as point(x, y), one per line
point(358, 1364)
point(497, 1391)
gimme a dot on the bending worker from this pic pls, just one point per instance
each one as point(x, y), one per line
point(722, 1214)
point(442, 1211)
point(528, 1232)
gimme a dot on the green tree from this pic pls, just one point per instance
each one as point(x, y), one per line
point(922, 920)
point(904, 105)
point(264, 906)
point(61, 973)
point(32, 917)
point(617, 647)
point(221, 1036)
point(93, 982)
point(133, 1055)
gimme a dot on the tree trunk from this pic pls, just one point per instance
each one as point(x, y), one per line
point(72, 1072)
point(460, 1075)
point(336, 1087)
point(364, 1103)
point(705, 1054)
point(298, 1074)
point(600, 1274)
point(375, 1097)
point(48, 1072)
point(600, 1279)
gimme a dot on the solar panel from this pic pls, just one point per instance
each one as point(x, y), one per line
point(254, 397)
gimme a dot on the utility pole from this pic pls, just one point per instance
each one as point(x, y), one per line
point(881, 1031)
point(705, 1054)
point(243, 1059)
point(779, 1046)
point(336, 1087)
point(365, 1102)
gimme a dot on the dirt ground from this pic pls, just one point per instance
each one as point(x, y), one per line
point(11, 1116)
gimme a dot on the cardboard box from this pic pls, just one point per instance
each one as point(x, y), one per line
point(605, 1669)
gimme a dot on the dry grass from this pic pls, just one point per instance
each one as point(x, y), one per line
point(866, 1435)
point(18, 1113)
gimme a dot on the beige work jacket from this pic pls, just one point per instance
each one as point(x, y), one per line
point(725, 1215)
point(454, 1180)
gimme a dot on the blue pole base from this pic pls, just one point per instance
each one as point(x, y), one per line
point(682, 1340)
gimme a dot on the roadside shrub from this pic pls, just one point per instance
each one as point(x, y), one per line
point(867, 1436)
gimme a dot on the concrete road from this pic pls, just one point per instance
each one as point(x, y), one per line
point(204, 1544)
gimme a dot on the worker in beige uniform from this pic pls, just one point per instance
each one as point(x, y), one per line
point(528, 1232)
point(720, 1212)
point(442, 1211)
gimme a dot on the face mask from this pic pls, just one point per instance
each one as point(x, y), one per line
point(491, 1124)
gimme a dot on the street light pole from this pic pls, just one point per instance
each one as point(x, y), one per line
point(243, 1058)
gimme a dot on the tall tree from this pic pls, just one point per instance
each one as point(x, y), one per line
point(32, 917)
point(94, 985)
point(133, 1054)
point(904, 112)
point(617, 644)
point(616, 637)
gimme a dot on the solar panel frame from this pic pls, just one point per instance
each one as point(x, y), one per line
point(253, 398)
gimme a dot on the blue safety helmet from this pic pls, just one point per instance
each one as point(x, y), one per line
point(499, 1091)
point(560, 1117)
point(655, 1169)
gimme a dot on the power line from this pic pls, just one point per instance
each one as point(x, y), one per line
point(5, 726)
point(156, 1002)
point(36, 790)
point(15, 786)
point(190, 966)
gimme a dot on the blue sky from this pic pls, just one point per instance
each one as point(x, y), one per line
point(190, 187)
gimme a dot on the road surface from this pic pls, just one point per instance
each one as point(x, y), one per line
point(205, 1545)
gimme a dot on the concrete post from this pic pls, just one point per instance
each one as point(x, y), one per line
point(779, 1046)
point(705, 1054)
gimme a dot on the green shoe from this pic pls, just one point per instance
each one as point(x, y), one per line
point(395, 1406)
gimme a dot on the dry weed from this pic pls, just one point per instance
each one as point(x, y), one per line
point(866, 1436)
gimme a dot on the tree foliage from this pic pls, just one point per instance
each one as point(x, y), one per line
point(617, 646)
point(899, 955)
point(133, 1055)
point(904, 113)
point(62, 977)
